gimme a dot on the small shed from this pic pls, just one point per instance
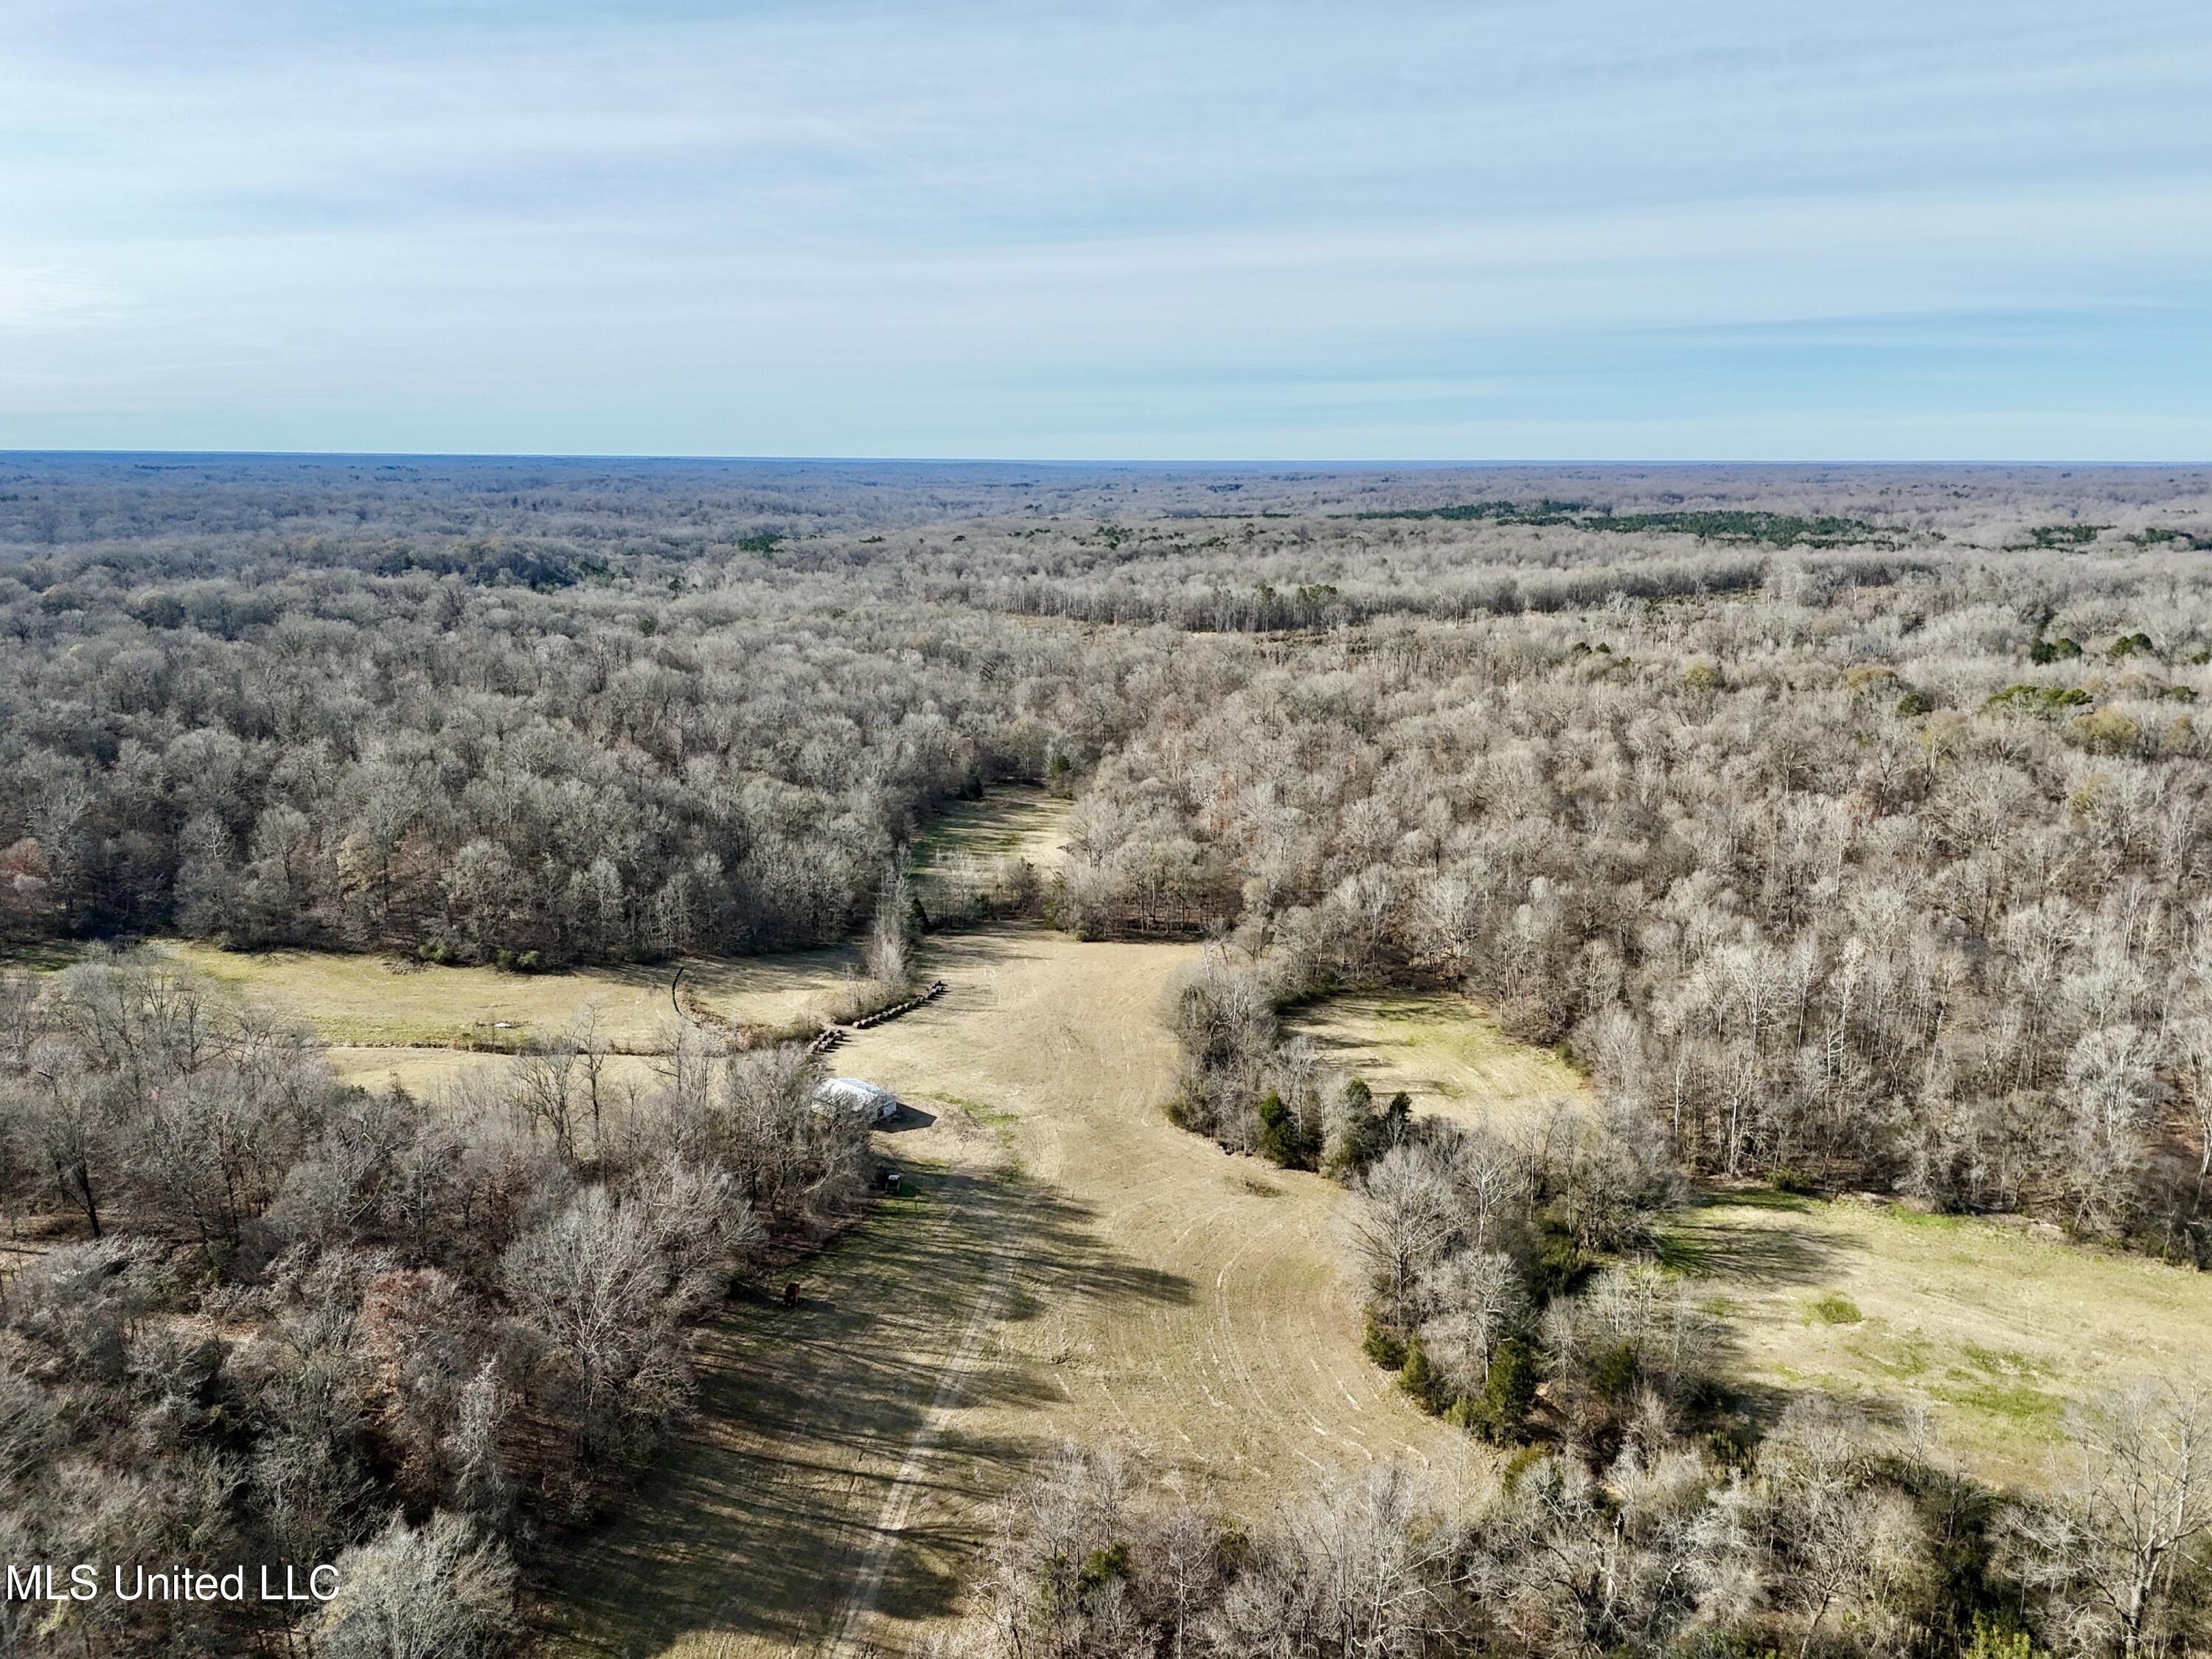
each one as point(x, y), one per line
point(869, 1101)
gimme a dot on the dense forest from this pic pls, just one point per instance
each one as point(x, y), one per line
point(1872, 860)
point(1850, 829)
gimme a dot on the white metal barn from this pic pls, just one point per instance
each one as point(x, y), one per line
point(867, 1101)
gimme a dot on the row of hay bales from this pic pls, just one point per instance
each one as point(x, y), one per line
point(936, 990)
point(833, 1036)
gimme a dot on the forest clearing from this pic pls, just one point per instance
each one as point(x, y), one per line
point(367, 1001)
point(1443, 1050)
point(1158, 1293)
point(1063, 1264)
point(1986, 1332)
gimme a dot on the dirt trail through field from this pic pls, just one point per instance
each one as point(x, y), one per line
point(1194, 1303)
point(1132, 1280)
point(898, 1504)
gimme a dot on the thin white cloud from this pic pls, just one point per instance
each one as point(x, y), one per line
point(923, 227)
point(46, 299)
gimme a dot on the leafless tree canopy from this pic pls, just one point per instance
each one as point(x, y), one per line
point(269, 1318)
point(1849, 827)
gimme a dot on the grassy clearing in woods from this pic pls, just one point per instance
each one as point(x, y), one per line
point(374, 1000)
point(1989, 1329)
point(1025, 823)
point(1441, 1050)
point(1135, 1281)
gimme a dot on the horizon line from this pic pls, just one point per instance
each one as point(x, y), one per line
point(1140, 464)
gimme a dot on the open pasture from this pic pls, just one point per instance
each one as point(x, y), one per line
point(1981, 1331)
point(1210, 1319)
point(750, 1532)
point(1984, 1331)
point(374, 1001)
point(1012, 821)
point(1073, 1266)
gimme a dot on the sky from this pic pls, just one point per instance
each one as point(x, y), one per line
point(1592, 229)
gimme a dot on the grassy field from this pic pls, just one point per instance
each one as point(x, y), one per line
point(1440, 1049)
point(965, 849)
point(1983, 1331)
point(1078, 1267)
point(423, 1072)
point(1986, 1330)
point(752, 1533)
point(1211, 1321)
point(1011, 820)
point(1067, 1264)
point(393, 1017)
point(368, 1001)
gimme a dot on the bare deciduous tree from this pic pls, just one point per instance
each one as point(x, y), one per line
point(2126, 1530)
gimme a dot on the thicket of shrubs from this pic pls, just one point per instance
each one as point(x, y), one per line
point(1830, 1536)
point(302, 1322)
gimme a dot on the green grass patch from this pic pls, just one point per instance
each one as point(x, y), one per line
point(1900, 1357)
point(1833, 1308)
point(1935, 1220)
point(1995, 1327)
point(2002, 1364)
point(1683, 1257)
point(916, 1196)
point(1002, 822)
point(999, 1120)
point(2022, 1408)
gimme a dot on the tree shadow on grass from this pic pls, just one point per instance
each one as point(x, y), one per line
point(751, 1525)
point(1368, 1053)
point(1717, 1242)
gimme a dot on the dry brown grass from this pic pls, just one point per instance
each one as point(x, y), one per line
point(1442, 1050)
point(360, 1001)
point(749, 1532)
point(424, 1071)
point(1127, 1280)
point(1209, 1319)
point(1192, 1303)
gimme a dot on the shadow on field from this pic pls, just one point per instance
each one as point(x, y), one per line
point(1355, 1055)
point(1717, 1240)
point(745, 1533)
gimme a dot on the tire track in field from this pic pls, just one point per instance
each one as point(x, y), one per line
point(898, 1500)
point(1200, 1294)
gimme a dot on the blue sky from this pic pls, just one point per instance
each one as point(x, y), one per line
point(1583, 228)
